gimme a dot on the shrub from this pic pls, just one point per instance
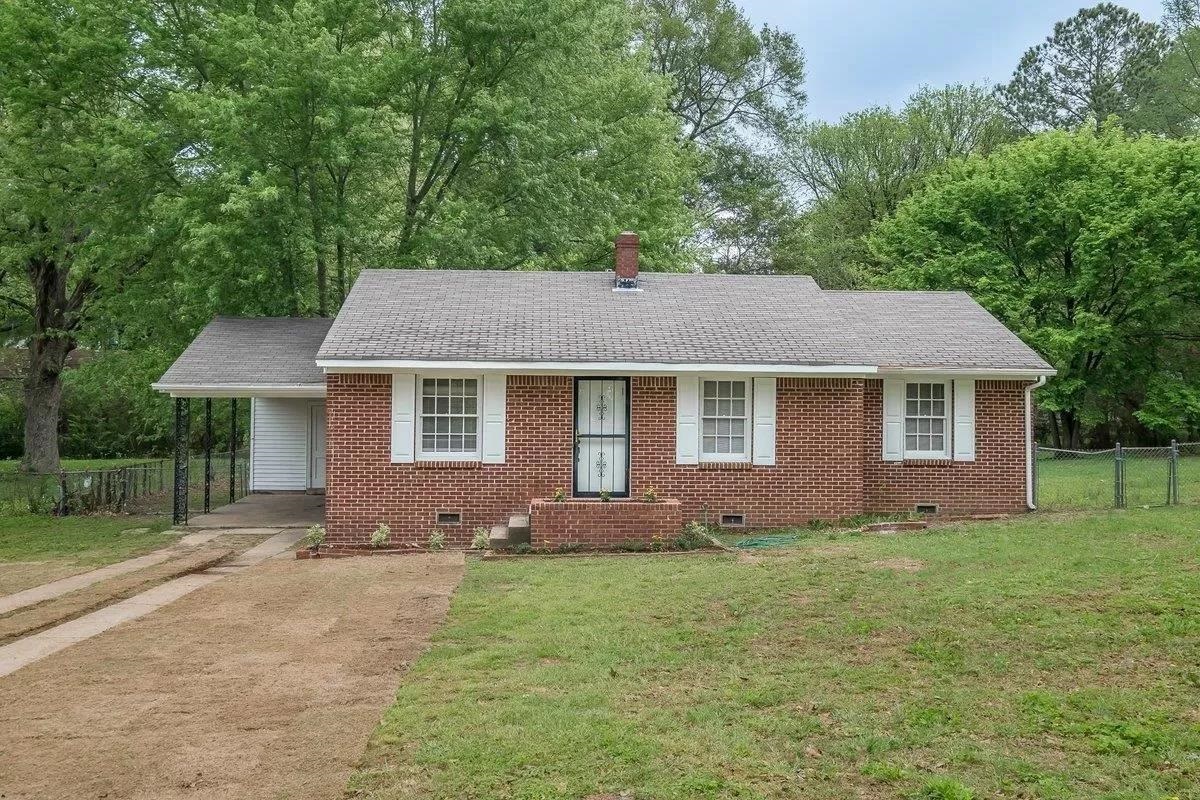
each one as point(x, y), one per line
point(605, 495)
point(569, 547)
point(650, 495)
point(379, 539)
point(559, 495)
point(437, 539)
point(633, 546)
point(314, 538)
point(522, 548)
point(694, 536)
point(480, 539)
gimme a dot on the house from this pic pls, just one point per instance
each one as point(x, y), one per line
point(453, 399)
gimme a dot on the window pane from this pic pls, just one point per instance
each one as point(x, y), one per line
point(456, 405)
point(926, 408)
point(910, 391)
point(939, 390)
point(937, 426)
point(427, 405)
point(427, 424)
point(722, 444)
point(469, 424)
point(910, 426)
point(723, 427)
point(739, 408)
point(443, 405)
point(723, 408)
point(739, 389)
point(926, 390)
point(911, 408)
point(443, 386)
point(469, 405)
point(470, 387)
point(710, 427)
point(710, 408)
point(710, 389)
point(737, 427)
point(456, 425)
point(443, 442)
point(937, 443)
point(910, 442)
point(939, 408)
point(427, 443)
point(710, 444)
point(737, 445)
point(724, 389)
point(456, 386)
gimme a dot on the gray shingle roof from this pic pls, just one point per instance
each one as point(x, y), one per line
point(478, 315)
point(257, 351)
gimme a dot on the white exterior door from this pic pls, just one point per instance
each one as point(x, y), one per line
point(316, 446)
point(601, 436)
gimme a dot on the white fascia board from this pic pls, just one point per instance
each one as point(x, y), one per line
point(982, 373)
point(591, 368)
point(248, 390)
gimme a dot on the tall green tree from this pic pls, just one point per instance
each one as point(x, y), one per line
point(736, 91)
point(82, 158)
point(1101, 62)
point(1173, 104)
point(1086, 244)
point(857, 172)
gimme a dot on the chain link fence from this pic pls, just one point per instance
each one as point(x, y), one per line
point(1119, 477)
point(141, 488)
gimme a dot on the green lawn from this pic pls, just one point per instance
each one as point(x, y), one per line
point(1047, 657)
point(84, 541)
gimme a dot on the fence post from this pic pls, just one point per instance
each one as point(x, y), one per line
point(233, 433)
point(62, 493)
point(1118, 477)
point(179, 513)
point(208, 439)
point(1033, 468)
point(1173, 489)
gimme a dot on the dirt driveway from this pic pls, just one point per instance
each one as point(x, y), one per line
point(263, 685)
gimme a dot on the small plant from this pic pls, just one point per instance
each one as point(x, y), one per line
point(379, 539)
point(650, 495)
point(480, 539)
point(657, 544)
point(633, 546)
point(694, 536)
point(437, 539)
point(568, 547)
point(522, 548)
point(559, 495)
point(314, 537)
point(605, 495)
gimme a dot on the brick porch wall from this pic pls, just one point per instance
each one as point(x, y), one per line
point(827, 460)
point(603, 524)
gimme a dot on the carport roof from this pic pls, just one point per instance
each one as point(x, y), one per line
point(248, 356)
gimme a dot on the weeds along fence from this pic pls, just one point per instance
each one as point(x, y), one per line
point(144, 487)
point(1119, 477)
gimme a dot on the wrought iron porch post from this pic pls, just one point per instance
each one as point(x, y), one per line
point(183, 419)
point(232, 448)
point(208, 440)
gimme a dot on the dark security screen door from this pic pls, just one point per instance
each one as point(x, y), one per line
point(601, 436)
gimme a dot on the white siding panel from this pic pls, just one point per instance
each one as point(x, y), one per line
point(279, 444)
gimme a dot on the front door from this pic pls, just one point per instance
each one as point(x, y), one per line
point(601, 436)
point(316, 446)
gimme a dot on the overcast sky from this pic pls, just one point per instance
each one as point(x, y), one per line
point(876, 52)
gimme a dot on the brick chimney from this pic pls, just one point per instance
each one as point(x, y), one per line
point(626, 260)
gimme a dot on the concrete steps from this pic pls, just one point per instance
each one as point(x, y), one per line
point(515, 531)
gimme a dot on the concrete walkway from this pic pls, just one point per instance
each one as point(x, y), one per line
point(34, 648)
point(263, 510)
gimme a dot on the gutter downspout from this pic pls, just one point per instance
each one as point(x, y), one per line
point(1041, 381)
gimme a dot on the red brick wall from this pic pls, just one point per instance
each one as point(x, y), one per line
point(827, 460)
point(603, 524)
point(994, 483)
point(363, 487)
point(818, 456)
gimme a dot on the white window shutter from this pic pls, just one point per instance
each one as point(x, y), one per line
point(687, 420)
point(494, 405)
point(764, 421)
point(893, 419)
point(964, 419)
point(404, 398)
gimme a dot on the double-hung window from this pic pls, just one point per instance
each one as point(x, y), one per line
point(449, 424)
point(724, 408)
point(925, 420)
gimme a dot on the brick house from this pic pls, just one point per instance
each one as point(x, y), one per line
point(453, 399)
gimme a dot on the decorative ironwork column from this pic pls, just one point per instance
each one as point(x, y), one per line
point(208, 440)
point(183, 419)
point(233, 434)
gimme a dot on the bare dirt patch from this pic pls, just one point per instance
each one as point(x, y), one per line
point(264, 685)
point(17, 576)
point(899, 564)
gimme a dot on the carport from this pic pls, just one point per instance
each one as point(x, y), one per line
point(270, 361)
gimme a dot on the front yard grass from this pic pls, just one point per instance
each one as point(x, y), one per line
point(87, 541)
point(1046, 657)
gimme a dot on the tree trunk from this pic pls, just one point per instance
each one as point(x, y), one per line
point(43, 400)
point(55, 318)
point(1055, 430)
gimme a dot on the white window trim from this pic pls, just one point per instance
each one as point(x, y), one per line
point(747, 427)
point(947, 423)
point(419, 407)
